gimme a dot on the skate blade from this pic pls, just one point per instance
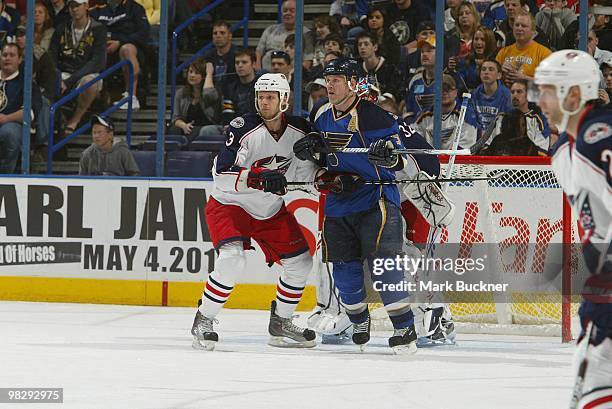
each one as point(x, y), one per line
point(428, 342)
point(409, 349)
point(283, 342)
point(203, 344)
point(362, 347)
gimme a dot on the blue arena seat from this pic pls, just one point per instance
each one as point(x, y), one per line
point(145, 161)
point(194, 164)
point(210, 146)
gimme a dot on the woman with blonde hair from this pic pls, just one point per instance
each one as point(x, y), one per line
point(43, 29)
point(484, 46)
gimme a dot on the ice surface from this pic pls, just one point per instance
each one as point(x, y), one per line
point(141, 357)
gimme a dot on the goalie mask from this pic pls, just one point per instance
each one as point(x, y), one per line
point(276, 83)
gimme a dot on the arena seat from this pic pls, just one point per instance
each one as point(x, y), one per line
point(195, 164)
point(145, 161)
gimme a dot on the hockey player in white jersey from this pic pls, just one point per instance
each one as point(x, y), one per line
point(567, 89)
point(250, 176)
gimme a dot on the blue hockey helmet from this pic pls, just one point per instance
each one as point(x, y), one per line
point(349, 67)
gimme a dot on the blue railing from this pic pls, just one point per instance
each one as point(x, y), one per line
point(54, 147)
point(176, 70)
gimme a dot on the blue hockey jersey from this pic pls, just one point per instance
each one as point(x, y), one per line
point(483, 109)
point(362, 124)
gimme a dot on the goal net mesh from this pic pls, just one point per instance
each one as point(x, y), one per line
point(520, 213)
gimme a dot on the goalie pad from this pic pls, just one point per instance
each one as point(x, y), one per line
point(430, 200)
point(434, 324)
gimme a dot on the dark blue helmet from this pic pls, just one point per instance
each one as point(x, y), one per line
point(349, 67)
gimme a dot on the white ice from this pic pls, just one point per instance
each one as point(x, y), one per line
point(141, 357)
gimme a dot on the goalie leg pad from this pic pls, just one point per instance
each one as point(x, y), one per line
point(597, 387)
point(429, 199)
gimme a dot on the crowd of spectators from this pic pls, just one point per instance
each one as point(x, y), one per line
point(491, 53)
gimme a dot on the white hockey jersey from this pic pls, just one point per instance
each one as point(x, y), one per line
point(425, 125)
point(249, 144)
point(584, 169)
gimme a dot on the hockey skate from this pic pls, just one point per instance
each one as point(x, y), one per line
point(204, 337)
point(403, 341)
point(437, 327)
point(285, 334)
point(361, 332)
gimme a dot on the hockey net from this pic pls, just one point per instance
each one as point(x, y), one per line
point(523, 205)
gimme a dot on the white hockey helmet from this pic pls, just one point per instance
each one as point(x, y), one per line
point(274, 82)
point(566, 69)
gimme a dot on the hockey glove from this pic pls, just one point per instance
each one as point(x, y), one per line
point(338, 183)
point(267, 180)
point(601, 315)
point(381, 154)
point(309, 147)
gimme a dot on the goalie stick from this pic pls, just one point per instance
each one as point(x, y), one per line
point(400, 181)
point(582, 368)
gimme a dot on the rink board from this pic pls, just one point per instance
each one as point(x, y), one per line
point(123, 241)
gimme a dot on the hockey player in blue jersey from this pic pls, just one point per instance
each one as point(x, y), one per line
point(567, 89)
point(362, 221)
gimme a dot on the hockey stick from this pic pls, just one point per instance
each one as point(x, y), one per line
point(584, 363)
point(460, 152)
point(400, 181)
point(451, 162)
point(480, 143)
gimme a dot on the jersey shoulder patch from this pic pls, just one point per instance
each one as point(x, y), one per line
point(596, 132)
point(244, 124)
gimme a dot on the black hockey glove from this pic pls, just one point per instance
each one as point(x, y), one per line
point(309, 147)
point(267, 180)
point(338, 183)
point(381, 154)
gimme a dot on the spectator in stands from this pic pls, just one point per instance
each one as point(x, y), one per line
point(107, 155)
point(334, 43)
point(153, 10)
point(59, 12)
point(490, 98)
point(43, 29)
point(9, 20)
point(350, 15)
point(606, 93)
point(468, 20)
point(410, 13)
point(380, 72)
point(280, 63)
point(450, 119)
point(412, 63)
point(44, 75)
point(520, 59)
point(273, 38)
point(553, 19)
point(388, 46)
point(522, 131)
point(11, 109)
point(324, 25)
point(600, 23)
point(593, 48)
point(501, 12)
point(317, 71)
point(196, 105)
point(450, 14)
point(420, 93)
point(316, 91)
point(484, 46)
point(223, 54)
point(505, 30)
point(78, 50)
point(128, 29)
point(239, 89)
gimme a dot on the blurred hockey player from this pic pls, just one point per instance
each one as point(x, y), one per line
point(362, 220)
point(422, 205)
point(567, 89)
point(250, 176)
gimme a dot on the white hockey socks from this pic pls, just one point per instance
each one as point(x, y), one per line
point(221, 282)
point(291, 283)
